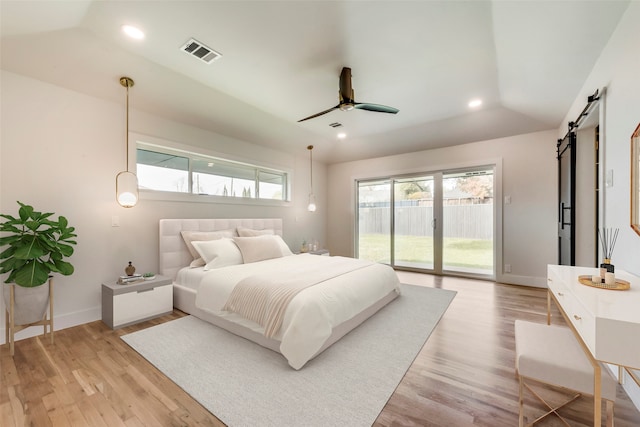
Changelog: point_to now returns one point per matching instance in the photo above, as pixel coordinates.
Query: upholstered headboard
(173, 251)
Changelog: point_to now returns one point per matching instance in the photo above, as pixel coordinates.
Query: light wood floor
(464, 376)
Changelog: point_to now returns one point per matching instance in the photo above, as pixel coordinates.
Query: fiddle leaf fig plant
(37, 246)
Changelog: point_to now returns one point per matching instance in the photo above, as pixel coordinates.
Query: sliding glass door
(413, 222)
(438, 222)
(467, 219)
(374, 221)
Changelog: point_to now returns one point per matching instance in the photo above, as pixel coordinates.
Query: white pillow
(259, 248)
(283, 245)
(190, 236)
(218, 253)
(248, 232)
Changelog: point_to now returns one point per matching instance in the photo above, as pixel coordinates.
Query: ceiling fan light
(346, 106)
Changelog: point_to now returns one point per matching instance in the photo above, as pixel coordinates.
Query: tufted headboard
(173, 251)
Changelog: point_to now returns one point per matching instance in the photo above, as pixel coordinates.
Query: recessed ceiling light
(342, 135)
(474, 103)
(133, 32)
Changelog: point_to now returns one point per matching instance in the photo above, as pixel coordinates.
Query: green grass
(457, 252)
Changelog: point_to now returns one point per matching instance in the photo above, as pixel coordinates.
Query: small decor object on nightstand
(130, 269)
(129, 280)
(608, 239)
(149, 276)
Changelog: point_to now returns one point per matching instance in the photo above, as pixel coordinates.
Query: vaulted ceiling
(526, 61)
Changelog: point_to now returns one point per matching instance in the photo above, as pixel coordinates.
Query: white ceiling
(527, 61)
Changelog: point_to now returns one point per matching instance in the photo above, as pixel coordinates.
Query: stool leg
(11, 325)
(6, 326)
(521, 403)
(610, 419)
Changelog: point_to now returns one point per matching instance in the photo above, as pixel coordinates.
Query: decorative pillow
(190, 236)
(248, 232)
(218, 253)
(258, 248)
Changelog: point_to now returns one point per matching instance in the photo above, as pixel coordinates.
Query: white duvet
(314, 312)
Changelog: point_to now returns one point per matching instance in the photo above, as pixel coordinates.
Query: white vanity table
(605, 322)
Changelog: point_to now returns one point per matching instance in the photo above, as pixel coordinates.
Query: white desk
(605, 322)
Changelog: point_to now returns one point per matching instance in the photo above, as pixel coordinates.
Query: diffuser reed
(608, 237)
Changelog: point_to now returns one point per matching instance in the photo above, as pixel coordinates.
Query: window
(178, 171)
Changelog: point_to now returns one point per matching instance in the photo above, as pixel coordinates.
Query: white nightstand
(124, 305)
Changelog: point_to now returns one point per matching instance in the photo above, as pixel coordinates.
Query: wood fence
(465, 221)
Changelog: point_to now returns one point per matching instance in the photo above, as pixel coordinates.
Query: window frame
(145, 142)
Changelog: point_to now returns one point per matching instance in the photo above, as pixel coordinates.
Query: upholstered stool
(552, 355)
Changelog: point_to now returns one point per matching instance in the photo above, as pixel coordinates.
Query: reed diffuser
(608, 237)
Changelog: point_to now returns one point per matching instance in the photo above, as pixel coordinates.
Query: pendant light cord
(310, 148)
(127, 82)
(127, 127)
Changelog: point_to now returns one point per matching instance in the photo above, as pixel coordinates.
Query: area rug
(244, 384)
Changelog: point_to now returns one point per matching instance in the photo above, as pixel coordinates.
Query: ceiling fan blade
(320, 113)
(375, 107)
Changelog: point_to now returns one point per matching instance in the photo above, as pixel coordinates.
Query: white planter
(30, 304)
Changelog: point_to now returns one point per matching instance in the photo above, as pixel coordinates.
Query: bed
(326, 296)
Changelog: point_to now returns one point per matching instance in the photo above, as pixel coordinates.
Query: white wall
(60, 152)
(529, 171)
(617, 70)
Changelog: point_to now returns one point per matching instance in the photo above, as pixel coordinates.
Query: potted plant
(36, 247)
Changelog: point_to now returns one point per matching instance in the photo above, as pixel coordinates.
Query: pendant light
(127, 182)
(312, 199)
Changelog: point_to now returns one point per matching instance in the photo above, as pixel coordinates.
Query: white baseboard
(512, 279)
(59, 322)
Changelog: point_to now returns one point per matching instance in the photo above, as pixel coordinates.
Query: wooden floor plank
(74, 415)
(55, 410)
(463, 376)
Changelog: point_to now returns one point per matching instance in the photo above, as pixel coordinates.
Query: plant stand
(12, 328)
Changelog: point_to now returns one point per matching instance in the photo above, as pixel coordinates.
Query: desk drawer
(581, 318)
(585, 323)
(561, 293)
(135, 306)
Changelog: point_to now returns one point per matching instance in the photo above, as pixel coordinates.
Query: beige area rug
(244, 384)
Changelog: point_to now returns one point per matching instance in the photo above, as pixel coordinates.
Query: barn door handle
(563, 208)
(433, 223)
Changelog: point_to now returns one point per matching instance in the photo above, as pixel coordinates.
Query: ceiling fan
(348, 103)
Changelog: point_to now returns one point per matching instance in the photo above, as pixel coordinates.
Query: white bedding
(313, 313)
(190, 277)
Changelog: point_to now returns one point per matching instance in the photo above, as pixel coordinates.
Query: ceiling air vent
(335, 125)
(204, 53)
